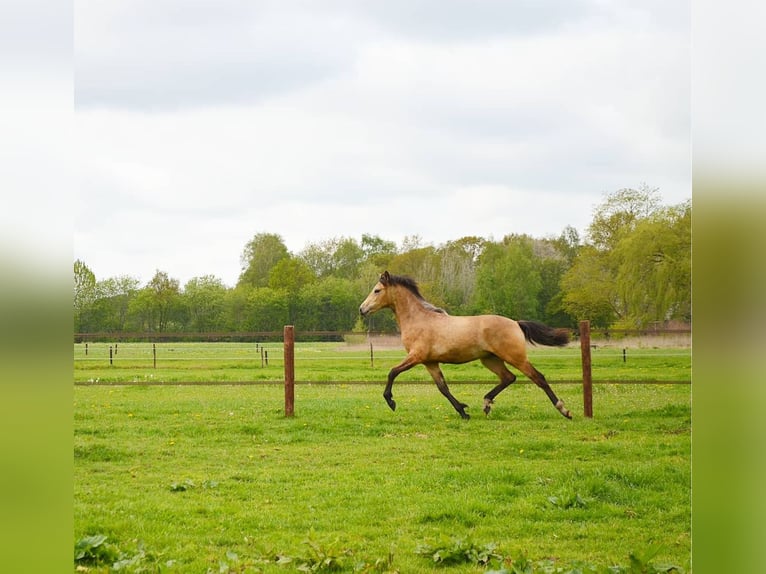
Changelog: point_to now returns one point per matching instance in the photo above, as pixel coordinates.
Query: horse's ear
(385, 278)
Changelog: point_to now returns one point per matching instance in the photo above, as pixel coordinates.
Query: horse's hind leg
(538, 378)
(441, 383)
(497, 366)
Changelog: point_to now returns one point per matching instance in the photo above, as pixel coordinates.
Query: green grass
(203, 476)
(339, 362)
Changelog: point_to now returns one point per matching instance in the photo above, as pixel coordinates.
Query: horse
(431, 336)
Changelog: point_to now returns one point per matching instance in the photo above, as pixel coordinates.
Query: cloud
(215, 124)
(164, 56)
(465, 20)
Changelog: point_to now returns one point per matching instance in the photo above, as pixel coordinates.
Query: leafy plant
(379, 566)
(182, 486)
(319, 558)
(189, 484)
(568, 500)
(235, 565)
(457, 550)
(95, 550)
(640, 563)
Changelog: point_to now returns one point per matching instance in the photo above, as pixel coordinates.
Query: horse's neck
(407, 309)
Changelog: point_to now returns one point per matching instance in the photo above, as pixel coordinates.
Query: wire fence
(335, 357)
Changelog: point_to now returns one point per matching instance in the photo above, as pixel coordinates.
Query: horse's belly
(456, 350)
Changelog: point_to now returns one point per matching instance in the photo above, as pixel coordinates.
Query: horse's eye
(376, 291)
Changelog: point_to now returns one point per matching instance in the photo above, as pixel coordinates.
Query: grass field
(214, 478)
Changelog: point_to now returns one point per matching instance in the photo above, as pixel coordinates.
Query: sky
(201, 124)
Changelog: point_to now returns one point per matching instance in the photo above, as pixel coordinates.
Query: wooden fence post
(289, 337)
(587, 381)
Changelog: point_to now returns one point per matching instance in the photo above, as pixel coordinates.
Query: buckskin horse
(431, 336)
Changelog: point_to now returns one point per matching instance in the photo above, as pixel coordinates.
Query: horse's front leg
(405, 365)
(438, 377)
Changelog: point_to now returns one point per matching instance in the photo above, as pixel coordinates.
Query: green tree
(118, 292)
(508, 281)
(346, 259)
(589, 290)
(456, 285)
(422, 264)
(331, 304)
(377, 251)
(337, 257)
(552, 261)
(204, 298)
(259, 257)
(109, 309)
(84, 290)
(158, 305)
(635, 269)
(618, 214)
(568, 243)
(654, 276)
(291, 274)
(235, 314)
(266, 309)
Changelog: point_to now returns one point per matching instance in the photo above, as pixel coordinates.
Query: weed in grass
(96, 552)
(319, 557)
(188, 484)
(569, 500)
(448, 551)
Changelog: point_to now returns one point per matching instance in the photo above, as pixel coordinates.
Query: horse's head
(379, 297)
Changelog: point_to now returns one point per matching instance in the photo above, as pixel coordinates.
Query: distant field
(343, 362)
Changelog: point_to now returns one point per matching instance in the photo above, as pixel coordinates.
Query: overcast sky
(201, 124)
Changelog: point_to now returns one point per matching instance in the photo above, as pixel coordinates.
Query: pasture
(213, 478)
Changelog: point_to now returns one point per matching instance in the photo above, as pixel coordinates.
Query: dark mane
(409, 284)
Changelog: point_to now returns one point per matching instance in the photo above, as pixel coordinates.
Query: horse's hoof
(465, 416)
(487, 406)
(391, 403)
(563, 410)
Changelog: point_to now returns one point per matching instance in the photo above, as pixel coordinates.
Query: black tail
(536, 332)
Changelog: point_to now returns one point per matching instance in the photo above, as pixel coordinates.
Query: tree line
(631, 270)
